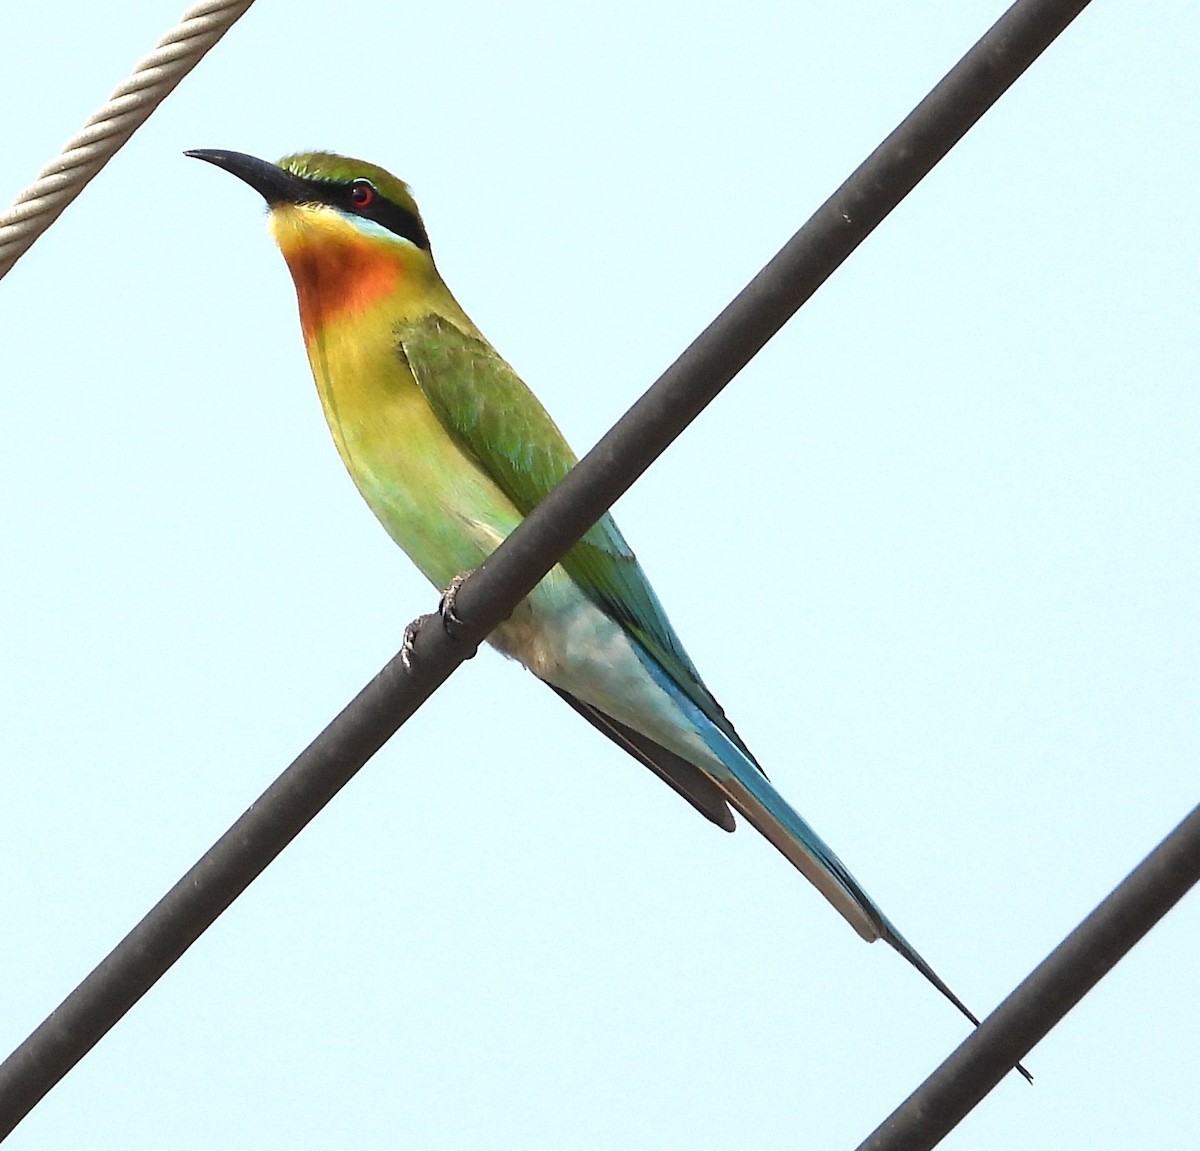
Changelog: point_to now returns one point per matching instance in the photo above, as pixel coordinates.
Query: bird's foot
(450, 621)
(408, 648)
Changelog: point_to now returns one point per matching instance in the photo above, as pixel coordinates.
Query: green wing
(488, 410)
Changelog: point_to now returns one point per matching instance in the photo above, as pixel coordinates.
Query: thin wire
(1059, 982)
(489, 595)
(82, 157)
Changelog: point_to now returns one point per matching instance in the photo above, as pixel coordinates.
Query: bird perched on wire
(451, 450)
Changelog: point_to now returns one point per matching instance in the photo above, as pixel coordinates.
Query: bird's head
(350, 232)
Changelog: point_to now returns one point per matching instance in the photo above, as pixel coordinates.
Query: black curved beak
(269, 180)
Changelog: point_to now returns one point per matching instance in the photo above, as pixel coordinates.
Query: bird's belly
(566, 640)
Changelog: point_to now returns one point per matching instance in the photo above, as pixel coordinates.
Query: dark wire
(1060, 981)
(488, 596)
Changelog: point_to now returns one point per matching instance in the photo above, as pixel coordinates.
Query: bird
(450, 449)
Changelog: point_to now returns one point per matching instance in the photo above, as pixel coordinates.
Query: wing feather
(486, 407)
(686, 778)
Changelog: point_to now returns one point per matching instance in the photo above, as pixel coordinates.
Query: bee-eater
(451, 450)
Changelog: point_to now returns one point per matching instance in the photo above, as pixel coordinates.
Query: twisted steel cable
(82, 157)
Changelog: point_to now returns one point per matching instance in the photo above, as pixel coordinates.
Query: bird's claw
(450, 621)
(408, 648)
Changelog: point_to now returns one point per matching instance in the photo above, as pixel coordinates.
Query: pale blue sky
(935, 551)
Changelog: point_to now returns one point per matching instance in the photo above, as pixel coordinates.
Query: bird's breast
(432, 497)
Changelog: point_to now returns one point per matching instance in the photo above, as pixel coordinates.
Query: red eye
(362, 193)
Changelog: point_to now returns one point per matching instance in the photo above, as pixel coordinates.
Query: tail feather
(767, 811)
(777, 821)
(752, 794)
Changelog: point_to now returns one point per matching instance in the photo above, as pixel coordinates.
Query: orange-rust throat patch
(337, 272)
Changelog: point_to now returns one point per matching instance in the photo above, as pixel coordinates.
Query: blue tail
(747, 788)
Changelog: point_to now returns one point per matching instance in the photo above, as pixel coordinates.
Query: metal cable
(489, 594)
(1060, 981)
(82, 157)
